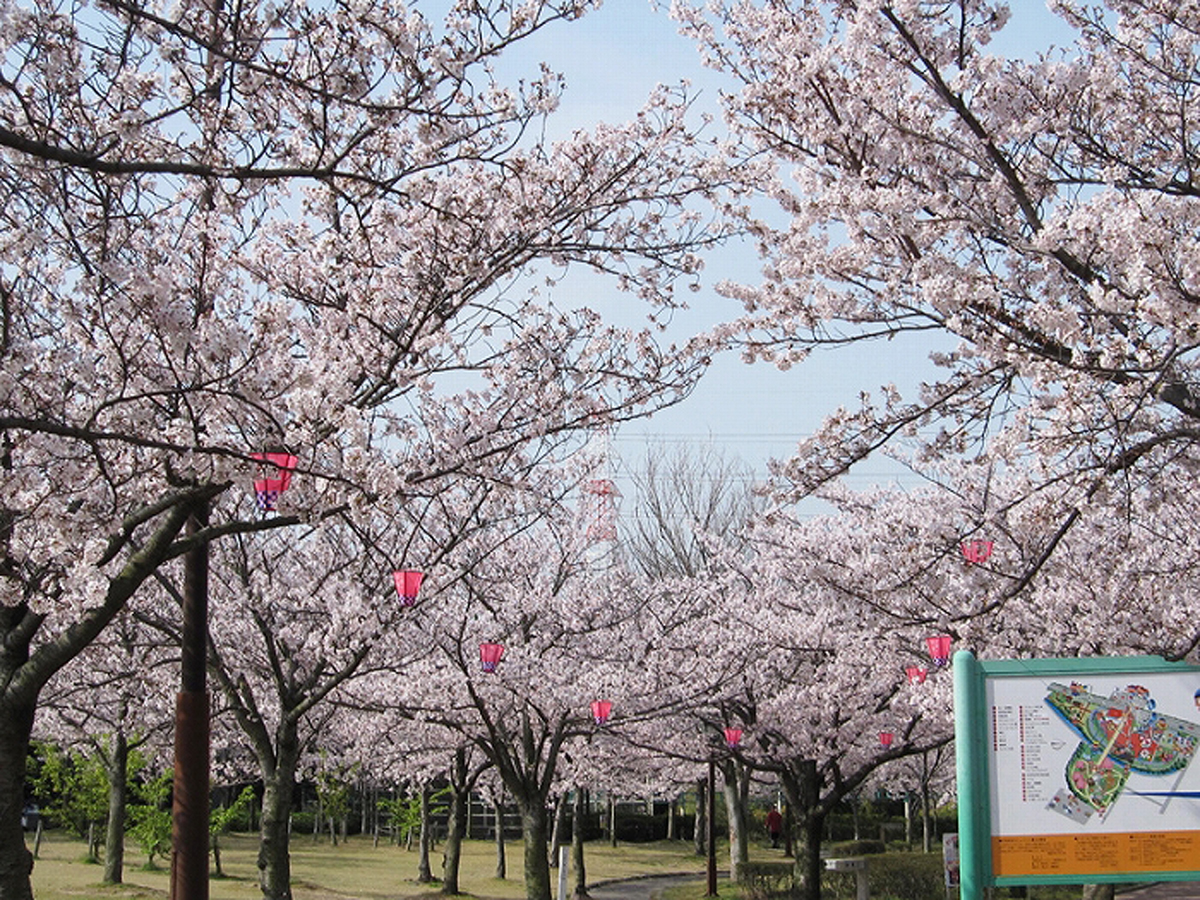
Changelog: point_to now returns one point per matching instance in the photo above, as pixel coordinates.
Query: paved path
(649, 887)
(1165, 890)
(652, 886)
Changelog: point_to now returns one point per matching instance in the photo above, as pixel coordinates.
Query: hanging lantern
(489, 656)
(977, 551)
(408, 585)
(601, 709)
(939, 649)
(733, 738)
(916, 674)
(274, 477)
(886, 738)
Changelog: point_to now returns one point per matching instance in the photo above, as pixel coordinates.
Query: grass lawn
(354, 869)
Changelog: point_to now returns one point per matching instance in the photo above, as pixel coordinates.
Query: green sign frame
(977, 736)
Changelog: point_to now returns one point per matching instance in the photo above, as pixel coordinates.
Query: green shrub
(893, 876)
(641, 828)
(857, 848)
(765, 880)
(890, 876)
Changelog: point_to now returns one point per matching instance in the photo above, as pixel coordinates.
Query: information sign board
(1077, 770)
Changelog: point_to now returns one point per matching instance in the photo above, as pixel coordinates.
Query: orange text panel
(1088, 854)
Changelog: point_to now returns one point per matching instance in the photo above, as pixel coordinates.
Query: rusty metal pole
(189, 804)
(711, 825)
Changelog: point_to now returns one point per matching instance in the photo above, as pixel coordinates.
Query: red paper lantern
(601, 709)
(274, 478)
(916, 674)
(939, 649)
(408, 585)
(489, 656)
(977, 551)
(886, 738)
(733, 738)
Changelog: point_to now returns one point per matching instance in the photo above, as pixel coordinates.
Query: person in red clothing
(774, 826)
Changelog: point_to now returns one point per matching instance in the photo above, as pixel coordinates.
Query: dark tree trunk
(424, 871)
(537, 862)
(578, 814)
(459, 795)
(737, 788)
(807, 866)
(802, 791)
(16, 862)
(114, 836)
(279, 781)
(501, 858)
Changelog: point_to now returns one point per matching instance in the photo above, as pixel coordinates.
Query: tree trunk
(807, 867)
(699, 824)
(560, 824)
(364, 806)
(1099, 891)
(800, 787)
(457, 827)
(578, 813)
(909, 816)
(737, 789)
(114, 836)
(501, 863)
(424, 872)
(926, 820)
(537, 862)
(612, 819)
(279, 781)
(16, 862)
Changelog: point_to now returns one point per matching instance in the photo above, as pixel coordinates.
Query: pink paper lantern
(733, 738)
(408, 585)
(977, 551)
(939, 649)
(916, 674)
(489, 656)
(886, 738)
(601, 709)
(274, 478)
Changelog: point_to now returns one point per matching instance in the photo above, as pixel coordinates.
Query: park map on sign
(1120, 734)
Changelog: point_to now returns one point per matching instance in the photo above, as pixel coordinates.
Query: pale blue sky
(612, 59)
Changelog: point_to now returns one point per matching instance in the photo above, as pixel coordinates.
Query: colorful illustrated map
(1120, 734)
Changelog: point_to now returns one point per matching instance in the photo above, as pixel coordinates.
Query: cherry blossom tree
(232, 230)
(280, 648)
(815, 624)
(1030, 218)
(573, 630)
(834, 609)
(113, 700)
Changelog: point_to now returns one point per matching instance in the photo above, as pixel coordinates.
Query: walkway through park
(651, 888)
(647, 888)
